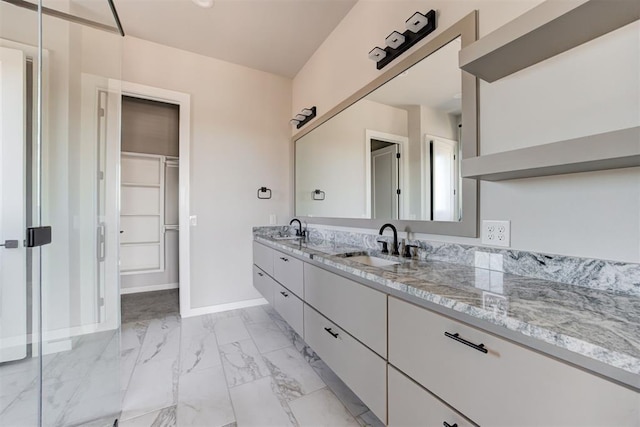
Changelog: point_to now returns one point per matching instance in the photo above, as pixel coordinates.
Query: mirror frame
(467, 30)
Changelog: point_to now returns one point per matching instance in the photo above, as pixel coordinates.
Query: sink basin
(286, 237)
(373, 261)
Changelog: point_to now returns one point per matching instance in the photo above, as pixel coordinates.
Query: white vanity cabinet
(287, 270)
(497, 383)
(264, 284)
(410, 405)
(360, 368)
(289, 306)
(358, 309)
(263, 257)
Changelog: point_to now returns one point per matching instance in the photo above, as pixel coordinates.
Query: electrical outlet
(496, 233)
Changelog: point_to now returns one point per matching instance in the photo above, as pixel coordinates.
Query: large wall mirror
(391, 152)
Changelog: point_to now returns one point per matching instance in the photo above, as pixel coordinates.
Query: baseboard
(150, 288)
(50, 347)
(225, 307)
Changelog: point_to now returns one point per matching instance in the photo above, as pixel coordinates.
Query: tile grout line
(224, 372)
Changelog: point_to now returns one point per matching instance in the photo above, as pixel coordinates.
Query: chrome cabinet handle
(284, 259)
(284, 294)
(260, 274)
(446, 424)
(456, 337)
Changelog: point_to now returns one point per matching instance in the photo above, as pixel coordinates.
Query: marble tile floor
(242, 368)
(78, 386)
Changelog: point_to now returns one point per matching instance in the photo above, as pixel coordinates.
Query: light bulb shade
(294, 122)
(394, 40)
(307, 111)
(377, 54)
(300, 117)
(417, 22)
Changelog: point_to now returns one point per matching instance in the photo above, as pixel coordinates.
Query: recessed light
(204, 3)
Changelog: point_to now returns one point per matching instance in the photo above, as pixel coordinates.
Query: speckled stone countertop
(600, 325)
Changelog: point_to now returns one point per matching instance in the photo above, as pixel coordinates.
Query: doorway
(149, 228)
(385, 180)
(159, 239)
(386, 175)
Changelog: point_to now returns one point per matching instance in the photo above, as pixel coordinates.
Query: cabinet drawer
(290, 308)
(410, 405)
(359, 310)
(263, 283)
(263, 257)
(506, 386)
(288, 271)
(360, 368)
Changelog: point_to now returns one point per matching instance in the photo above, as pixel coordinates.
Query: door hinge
(101, 301)
(398, 191)
(101, 112)
(38, 236)
(397, 155)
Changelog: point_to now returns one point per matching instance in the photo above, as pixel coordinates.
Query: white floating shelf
(610, 150)
(548, 29)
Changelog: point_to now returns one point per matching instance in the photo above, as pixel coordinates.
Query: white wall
(591, 89)
(334, 159)
(240, 141)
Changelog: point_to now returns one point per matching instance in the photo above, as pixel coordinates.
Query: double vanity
(420, 345)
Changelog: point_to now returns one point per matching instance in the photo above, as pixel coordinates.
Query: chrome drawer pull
(284, 294)
(333, 334)
(284, 259)
(446, 424)
(456, 336)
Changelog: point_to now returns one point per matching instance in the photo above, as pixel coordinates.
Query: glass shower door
(59, 303)
(20, 370)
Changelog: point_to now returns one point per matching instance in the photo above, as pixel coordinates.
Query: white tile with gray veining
(242, 362)
(603, 325)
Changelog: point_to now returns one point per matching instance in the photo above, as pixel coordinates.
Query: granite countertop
(601, 325)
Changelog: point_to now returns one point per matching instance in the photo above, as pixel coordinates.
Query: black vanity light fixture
(303, 117)
(418, 27)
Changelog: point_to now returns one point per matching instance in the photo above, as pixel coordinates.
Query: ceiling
(276, 36)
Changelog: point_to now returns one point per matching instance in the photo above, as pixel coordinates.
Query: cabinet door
(360, 368)
(359, 310)
(506, 386)
(288, 271)
(263, 257)
(290, 308)
(410, 405)
(263, 283)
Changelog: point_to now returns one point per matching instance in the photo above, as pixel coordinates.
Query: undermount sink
(373, 261)
(286, 237)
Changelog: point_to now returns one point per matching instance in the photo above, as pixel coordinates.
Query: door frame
(403, 143)
(425, 174)
(183, 100)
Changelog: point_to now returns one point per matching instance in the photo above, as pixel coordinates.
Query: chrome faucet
(299, 232)
(394, 247)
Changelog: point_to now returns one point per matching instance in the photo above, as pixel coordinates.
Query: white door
(384, 182)
(444, 179)
(13, 280)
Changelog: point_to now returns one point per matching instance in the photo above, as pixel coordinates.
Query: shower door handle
(10, 244)
(101, 242)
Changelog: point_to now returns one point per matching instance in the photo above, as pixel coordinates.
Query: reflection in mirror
(393, 154)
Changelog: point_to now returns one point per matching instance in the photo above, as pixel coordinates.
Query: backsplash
(590, 273)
